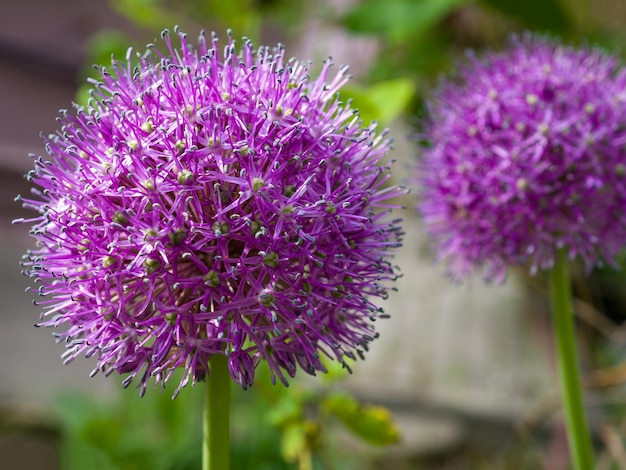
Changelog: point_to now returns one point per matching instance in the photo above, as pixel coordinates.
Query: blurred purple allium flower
(213, 203)
(525, 152)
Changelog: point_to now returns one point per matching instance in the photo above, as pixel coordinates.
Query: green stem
(216, 422)
(567, 358)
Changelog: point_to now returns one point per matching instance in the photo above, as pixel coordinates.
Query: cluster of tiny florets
(526, 154)
(207, 202)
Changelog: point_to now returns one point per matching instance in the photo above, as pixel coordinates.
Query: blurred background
(465, 371)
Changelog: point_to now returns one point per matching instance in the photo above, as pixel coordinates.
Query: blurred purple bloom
(213, 203)
(526, 153)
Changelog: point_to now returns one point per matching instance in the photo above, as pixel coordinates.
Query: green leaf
(383, 102)
(293, 443)
(146, 13)
(398, 19)
(372, 423)
(288, 409)
(336, 371)
(391, 98)
(290, 406)
(359, 100)
(537, 14)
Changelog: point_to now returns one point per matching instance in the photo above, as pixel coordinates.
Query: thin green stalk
(216, 417)
(567, 358)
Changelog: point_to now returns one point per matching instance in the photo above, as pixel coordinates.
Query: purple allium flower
(525, 154)
(213, 203)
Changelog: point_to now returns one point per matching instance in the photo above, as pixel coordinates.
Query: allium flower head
(213, 201)
(527, 154)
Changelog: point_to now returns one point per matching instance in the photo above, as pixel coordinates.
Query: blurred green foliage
(245, 17)
(383, 101)
(273, 427)
(398, 21)
(548, 15)
(371, 423)
(418, 40)
(421, 39)
(131, 433)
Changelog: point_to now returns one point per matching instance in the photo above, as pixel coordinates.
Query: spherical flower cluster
(213, 202)
(526, 154)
